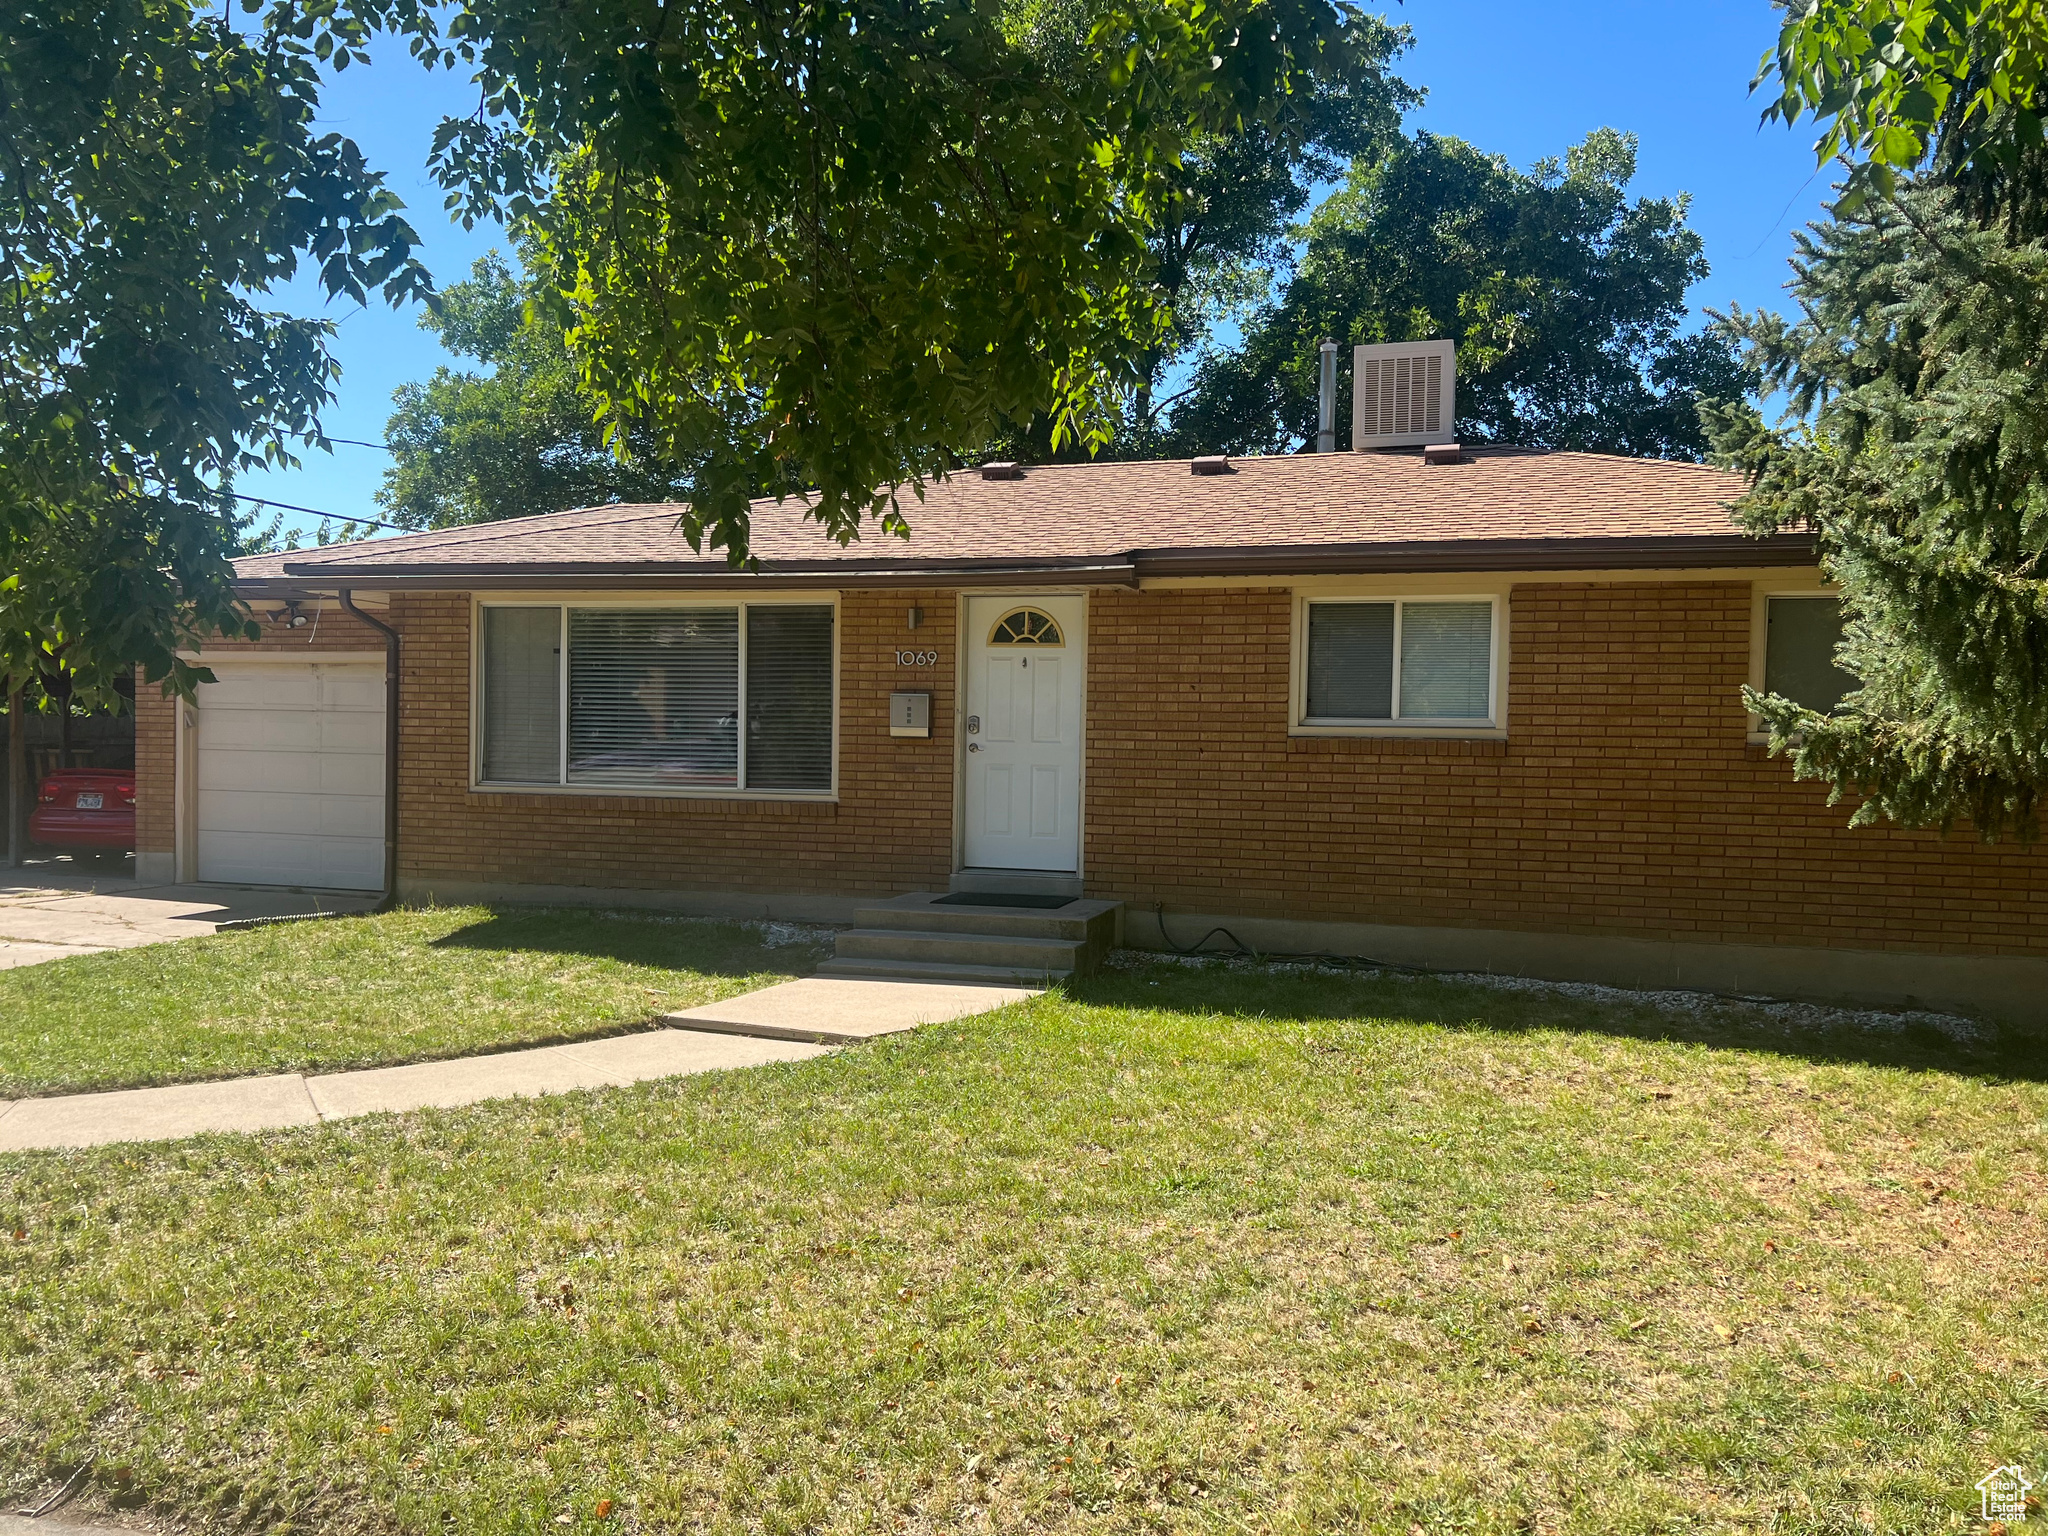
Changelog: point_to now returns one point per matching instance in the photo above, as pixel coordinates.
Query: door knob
(974, 746)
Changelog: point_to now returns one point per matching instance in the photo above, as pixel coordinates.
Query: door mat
(997, 899)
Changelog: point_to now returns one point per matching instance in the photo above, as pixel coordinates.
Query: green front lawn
(363, 991)
(1195, 1250)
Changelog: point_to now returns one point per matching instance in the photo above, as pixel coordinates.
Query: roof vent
(1441, 453)
(1005, 470)
(1213, 464)
(1404, 394)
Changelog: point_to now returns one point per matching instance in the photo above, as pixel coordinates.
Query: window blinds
(654, 697)
(1445, 660)
(789, 697)
(522, 736)
(1351, 661)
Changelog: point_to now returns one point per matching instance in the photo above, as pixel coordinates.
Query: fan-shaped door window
(1026, 626)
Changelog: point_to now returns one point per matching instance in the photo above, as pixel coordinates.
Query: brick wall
(1625, 803)
(156, 722)
(890, 831)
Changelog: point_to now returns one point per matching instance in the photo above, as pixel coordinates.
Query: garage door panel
(316, 815)
(351, 773)
(352, 689)
(290, 775)
(285, 685)
(268, 858)
(352, 733)
(258, 730)
(259, 688)
(306, 773)
(293, 731)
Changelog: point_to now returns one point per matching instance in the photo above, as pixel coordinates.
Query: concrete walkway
(46, 914)
(791, 1022)
(841, 1010)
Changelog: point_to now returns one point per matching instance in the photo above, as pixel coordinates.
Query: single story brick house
(1472, 710)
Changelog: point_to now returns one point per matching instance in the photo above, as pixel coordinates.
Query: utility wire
(1780, 219)
(339, 517)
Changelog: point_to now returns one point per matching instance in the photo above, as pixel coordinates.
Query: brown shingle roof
(1362, 511)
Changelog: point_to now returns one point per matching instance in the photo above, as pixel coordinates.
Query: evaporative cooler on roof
(1404, 394)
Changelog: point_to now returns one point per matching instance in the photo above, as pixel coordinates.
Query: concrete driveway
(46, 915)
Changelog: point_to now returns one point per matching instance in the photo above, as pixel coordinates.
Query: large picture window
(707, 698)
(1398, 660)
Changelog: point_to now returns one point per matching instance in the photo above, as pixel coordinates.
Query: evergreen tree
(1916, 449)
(1920, 460)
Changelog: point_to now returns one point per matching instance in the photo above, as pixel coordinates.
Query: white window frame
(1492, 728)
(1761, 593)
(566, 601)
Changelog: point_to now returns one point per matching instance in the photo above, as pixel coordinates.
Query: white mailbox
(910, 714)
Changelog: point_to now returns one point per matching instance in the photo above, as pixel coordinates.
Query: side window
(1385, 661)
(1801, 634)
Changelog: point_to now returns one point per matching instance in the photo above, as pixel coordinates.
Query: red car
(85, 810)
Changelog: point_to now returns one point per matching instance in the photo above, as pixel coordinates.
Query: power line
(357, 442)
(286, 506)
(1785, 210)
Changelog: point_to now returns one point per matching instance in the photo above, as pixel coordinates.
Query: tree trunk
(17, 781)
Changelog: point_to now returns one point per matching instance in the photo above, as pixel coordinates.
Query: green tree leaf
(1953, 86)
(159, 172)
(836, 249)
(518, 439)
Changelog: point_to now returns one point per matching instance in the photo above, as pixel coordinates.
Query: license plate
(87, 803)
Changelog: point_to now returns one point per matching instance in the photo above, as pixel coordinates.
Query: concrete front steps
(916, 938)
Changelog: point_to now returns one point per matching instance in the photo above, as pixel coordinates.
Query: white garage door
(291, 775)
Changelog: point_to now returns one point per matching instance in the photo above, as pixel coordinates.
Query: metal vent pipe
(1326, 398)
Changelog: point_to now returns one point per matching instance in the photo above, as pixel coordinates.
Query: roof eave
(1627, 552)
(597, 576)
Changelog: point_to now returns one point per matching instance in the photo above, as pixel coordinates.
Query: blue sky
(1513, 77)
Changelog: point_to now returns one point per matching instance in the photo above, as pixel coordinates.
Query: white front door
(291, 774)
(1026, 663)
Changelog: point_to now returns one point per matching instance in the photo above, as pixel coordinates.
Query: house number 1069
(917, 658)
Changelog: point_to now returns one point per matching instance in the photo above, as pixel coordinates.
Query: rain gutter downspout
(390, 749)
